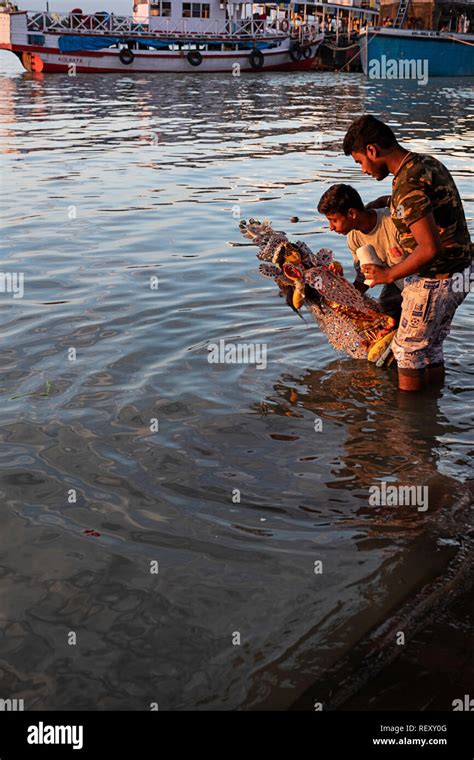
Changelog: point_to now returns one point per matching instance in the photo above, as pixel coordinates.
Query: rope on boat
(464, 42)
(347, 63)
(336, 47)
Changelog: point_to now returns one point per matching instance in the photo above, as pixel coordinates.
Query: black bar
(323, 735)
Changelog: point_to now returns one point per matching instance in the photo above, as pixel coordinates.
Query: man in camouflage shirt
(427, 211)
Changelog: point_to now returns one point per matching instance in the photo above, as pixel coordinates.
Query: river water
(214, 471)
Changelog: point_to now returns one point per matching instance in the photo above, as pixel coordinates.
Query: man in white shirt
(347, 215)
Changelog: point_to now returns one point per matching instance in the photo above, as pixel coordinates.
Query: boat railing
(109, 23)
(306, 33)
(99, 23)
(391, 31)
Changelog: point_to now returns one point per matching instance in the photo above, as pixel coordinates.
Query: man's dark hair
(367, 130)
(339, 199)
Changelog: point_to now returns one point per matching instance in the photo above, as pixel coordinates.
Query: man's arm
(358, 283)
(428, 246)
(382, 202)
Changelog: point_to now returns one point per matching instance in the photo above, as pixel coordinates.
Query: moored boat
(164, 36)
(402, 53)
(340, 22)
(403, 49)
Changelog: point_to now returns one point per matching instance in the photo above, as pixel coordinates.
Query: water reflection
(154, 173)
(388, 435)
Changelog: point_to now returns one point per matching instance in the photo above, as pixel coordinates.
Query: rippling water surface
(107, 182)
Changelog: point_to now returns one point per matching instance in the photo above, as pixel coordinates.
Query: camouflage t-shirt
(424, 185)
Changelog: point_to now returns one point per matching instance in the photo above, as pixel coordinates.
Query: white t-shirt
(384, 237)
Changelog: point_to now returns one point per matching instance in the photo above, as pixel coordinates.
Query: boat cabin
(166, 15)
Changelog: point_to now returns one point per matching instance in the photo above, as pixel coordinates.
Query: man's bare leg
(411, 379)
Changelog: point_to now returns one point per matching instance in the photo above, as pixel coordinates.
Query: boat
(340, 23)
(163, 36)
(404, 49)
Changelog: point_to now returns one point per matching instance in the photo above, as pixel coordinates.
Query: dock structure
(436, 15)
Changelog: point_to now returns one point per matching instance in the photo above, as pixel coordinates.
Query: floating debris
(43, 393)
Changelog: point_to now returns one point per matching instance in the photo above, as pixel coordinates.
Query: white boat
(161, 36)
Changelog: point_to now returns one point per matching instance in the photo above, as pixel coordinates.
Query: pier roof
(331, 7)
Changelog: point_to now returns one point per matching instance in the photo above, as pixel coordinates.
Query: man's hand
(336, 267)
(378, 275)
(429, 244)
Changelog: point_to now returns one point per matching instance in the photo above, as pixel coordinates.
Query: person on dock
(347, 215)
(426, 208)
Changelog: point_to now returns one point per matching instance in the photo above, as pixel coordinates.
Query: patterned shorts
(428, 308)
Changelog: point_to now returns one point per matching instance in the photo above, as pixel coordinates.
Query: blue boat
(390, 53)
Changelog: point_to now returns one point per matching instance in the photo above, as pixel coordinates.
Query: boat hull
(41, 59)
(330, 57)
(446, 55)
